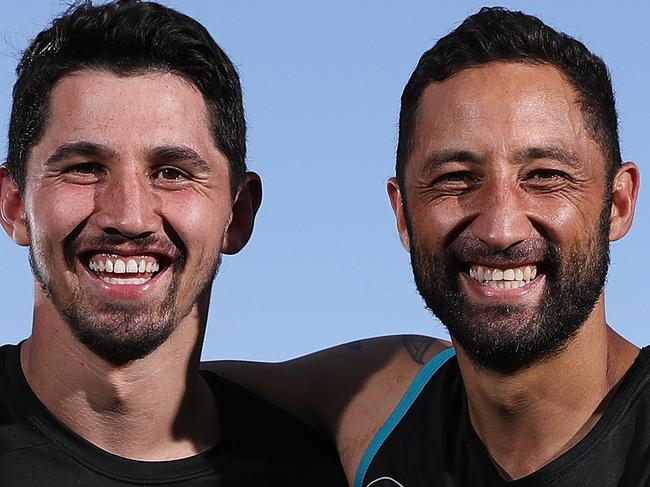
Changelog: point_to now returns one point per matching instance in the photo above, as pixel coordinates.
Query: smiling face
(505, 209)
(127, 203)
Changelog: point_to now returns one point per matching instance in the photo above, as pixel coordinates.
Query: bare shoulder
(347, 391)
(386, 370)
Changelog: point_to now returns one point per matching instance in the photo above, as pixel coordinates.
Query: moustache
(139, 244)
(469, 249)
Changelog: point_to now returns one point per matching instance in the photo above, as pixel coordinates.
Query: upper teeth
(140, 265)
(512, 278)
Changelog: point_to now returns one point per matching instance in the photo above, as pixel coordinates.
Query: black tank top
(428, 440)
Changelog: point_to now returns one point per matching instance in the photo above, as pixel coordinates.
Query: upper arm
(347, 391)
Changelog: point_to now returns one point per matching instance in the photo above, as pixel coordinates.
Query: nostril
(125, 233)
(501, 229)
(131, 220)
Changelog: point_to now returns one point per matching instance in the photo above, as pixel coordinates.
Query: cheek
(434, 223)
(53, 215)
(561, 216)
(567, 221)
(199, 221)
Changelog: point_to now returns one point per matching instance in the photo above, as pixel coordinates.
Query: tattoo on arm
(417, 347)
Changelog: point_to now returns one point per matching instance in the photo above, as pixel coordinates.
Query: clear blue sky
(322, 82)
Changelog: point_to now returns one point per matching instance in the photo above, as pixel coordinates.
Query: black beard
(507, 338)
(133, 332)
(131, 335)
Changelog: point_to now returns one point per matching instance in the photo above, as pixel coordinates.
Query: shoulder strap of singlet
(398, 413)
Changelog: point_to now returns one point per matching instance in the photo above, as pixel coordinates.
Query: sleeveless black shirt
(428, 441)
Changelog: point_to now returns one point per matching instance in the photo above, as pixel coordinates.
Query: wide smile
(504, 283)
(509, 278)
(125, 270)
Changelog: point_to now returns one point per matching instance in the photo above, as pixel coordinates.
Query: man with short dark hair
(126, 178)
(509, 187)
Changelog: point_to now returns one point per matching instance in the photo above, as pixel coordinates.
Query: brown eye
(547, 174)
(170, 174)
(547, 180)
(84, 173)
(460, 178)
(85, 169)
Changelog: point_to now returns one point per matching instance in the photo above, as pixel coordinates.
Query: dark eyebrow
(559, 154)
(172, 153)
(439, 157)
(76, 149)
(556, 153)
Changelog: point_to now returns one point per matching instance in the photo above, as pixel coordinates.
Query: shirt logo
(384, 482)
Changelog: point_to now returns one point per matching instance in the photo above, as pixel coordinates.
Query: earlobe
(395, 196)
(12, 209)
(625, 189)
(244, 209)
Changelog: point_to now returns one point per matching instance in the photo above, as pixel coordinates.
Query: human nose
(502, 220)
(128, 206)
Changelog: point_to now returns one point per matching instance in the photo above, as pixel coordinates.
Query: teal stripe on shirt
(398, 413)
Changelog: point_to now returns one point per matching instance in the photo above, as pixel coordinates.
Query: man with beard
(509, 187)
(126, 178)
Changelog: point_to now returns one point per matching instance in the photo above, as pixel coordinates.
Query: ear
(395, 196)
(244, 209)
(12, 209)
(624, 193)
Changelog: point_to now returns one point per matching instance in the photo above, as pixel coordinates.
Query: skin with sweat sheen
(120, 192)
(504, 179)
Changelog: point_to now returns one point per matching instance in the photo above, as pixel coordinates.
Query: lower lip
(487, 293)
(126, 291)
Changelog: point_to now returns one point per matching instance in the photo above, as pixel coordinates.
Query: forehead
(126, 113)
(501, 108)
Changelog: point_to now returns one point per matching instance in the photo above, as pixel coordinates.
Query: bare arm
(347, 392)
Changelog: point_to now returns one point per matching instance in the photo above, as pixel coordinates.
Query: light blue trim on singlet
(398, 413)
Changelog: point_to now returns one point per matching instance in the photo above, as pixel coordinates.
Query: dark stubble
(511, 337)
(118, 331)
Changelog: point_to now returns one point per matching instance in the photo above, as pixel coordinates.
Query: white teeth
(136, 265)
(512, 278)
(132, 267)
(132, 280)
(480, 274)
(119, 267)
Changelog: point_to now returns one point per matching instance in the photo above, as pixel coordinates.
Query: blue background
(322, 82)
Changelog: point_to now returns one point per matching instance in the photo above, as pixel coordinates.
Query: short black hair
(496, 34)
(126, 38)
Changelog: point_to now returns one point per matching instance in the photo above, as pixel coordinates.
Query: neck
(529, 418)
(154, 408)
